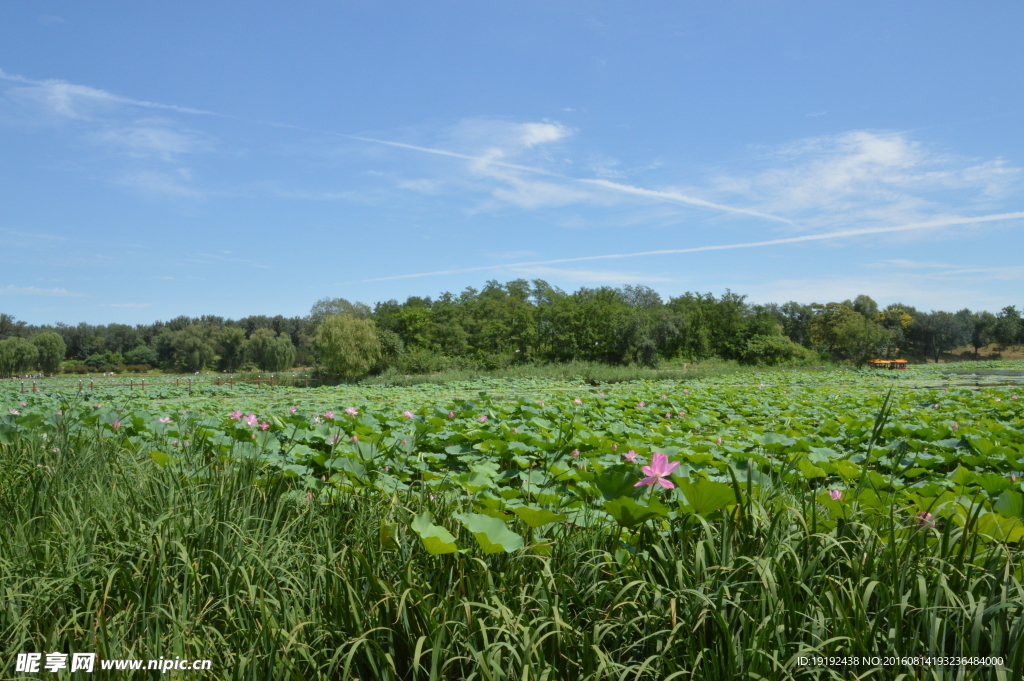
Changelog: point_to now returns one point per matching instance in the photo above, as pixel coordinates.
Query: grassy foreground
(104, 551)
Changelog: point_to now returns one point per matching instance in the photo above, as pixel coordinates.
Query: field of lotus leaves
(921, 470)
(573, 453)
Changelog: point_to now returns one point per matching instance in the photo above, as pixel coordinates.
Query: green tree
(193, 347)
(825, 325)
(337, 306)
(982, 332)
(1008, 326)
(858, 339)
(271, 351)
(51, 350)
(347, 346)
(17, 356)
(938, 332)
(231, 346)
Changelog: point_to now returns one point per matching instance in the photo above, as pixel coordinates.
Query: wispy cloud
(11, 290)
(939, 270)
(151, 138)
(847, 233)
(531, 194)
(590, 276)
(864, 176)
(74, 101)
(159, 183)
(216, 259)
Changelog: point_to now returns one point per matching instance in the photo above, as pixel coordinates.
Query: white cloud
(533, 134)
(152, 137)
(11, 290)
(537, 194)
(864, 176)
(77, 101)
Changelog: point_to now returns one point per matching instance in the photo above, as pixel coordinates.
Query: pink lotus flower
(682, 414)
(615, 447)
(407, 414)
(1014, 397)
(264, 425)
(836, 494)
(292, 410)
(164, 419)
(602, 394)
(481, 418)
(404, 442)
(686, 391)
(925, 519)
(98, 406)
(575, 453)
(668, 414)
(999, 399)
(630, 456)
(174, 443)
(236, 415)
(955, 426)
(1013, 478)
(24, 404)
(60, 413)
(640, 404)
(116, 424)
(15, 412)
(354, 439)
(352, 411)
(451, 414)
(329, 415)
(250, 420)
(657, 473)
(719, 440)
(317, 419)
(664, 397)
(577, 401)
(541, 403)
(515, 431)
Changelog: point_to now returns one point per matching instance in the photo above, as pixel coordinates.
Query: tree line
(511, 323)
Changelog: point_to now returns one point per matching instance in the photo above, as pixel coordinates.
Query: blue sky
(159, 159)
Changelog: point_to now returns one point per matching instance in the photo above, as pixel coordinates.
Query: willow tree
(271, 351)
(347, 346)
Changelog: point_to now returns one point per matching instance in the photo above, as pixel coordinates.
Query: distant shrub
(771, 350)
(501, 360)
(104, 361)
(423, 361)
(79, 369)
(141, 355)
(137, 368)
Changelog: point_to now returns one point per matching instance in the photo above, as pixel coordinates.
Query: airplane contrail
(673, 196)
(945, 222)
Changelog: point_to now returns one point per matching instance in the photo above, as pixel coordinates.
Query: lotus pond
(524, 454)
(513, 530)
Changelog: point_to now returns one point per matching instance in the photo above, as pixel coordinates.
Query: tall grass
(104, 551)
